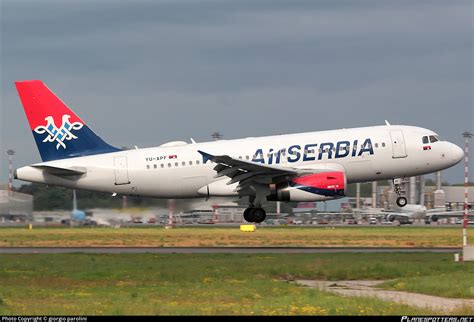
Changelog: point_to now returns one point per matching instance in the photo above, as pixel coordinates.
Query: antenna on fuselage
(386, 122)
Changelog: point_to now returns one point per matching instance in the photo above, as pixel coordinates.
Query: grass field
(218, 283)
(387, 236)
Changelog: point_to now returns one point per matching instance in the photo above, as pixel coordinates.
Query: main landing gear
(255, 214)
(401, 200)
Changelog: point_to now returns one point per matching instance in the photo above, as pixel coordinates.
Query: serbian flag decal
(427, 147)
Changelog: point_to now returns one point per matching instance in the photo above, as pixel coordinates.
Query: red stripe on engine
(324, 180)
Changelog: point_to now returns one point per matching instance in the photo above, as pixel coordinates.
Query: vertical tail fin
(59, 133)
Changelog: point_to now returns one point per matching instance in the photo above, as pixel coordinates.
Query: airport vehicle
(137, 220)
(373, 221)
(315, 166)
(351, 221)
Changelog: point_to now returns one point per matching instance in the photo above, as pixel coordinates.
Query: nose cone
(457, 154)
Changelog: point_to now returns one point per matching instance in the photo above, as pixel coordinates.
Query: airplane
(76, 214)
(80, 217)
(313, 166)
(412, 212)
(433, 215)
(407, 214)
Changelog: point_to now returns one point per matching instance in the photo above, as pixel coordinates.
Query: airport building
(15, 206)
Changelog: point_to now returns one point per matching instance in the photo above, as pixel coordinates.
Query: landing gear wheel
(402, 201)
(247, 214)
(258, 215)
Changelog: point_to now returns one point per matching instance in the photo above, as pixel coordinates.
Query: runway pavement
(216, 250)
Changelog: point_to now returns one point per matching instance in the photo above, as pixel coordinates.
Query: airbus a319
(314, 166)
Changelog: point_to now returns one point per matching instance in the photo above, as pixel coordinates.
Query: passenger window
(176, 164)
(247, 157)
(155, 166)
(383, 144)
(425, 140)
(197, 162)
(162, 165)
(148, 166)
(240, 157)
(183, 163)
(190, 162)
(433, 139)
(169, 165)
(376, 145)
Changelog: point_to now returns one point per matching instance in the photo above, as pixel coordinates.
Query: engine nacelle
(312, 187)
(391, 218)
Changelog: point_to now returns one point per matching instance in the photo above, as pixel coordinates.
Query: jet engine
(311, 187)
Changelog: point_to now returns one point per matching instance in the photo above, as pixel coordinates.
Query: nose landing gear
(401, 200)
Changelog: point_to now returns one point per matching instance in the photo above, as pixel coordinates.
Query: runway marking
(226, 250)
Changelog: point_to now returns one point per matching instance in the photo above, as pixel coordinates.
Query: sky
(148, 72)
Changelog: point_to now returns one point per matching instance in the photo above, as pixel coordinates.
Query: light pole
(10, 154)
(466, 136)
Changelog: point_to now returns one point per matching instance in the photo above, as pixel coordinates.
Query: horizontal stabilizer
(74, 171)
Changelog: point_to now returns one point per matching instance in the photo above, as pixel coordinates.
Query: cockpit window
(433, 139)
(425, 140)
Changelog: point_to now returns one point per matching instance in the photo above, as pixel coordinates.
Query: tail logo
(61, 134)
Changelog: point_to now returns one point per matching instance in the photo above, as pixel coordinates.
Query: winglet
(206, 156)
(386, 122)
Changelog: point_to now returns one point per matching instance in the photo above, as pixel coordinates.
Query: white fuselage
(178, 170)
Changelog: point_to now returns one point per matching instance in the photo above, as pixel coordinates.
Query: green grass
(214, 283)
(457, 284)
(378, 236)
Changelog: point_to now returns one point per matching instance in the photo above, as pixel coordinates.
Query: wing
(247, 173)
(455, 213)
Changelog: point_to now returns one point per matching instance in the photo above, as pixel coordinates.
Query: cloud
(184, 69)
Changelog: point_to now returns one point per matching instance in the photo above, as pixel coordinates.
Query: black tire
(402, 201)
(248, 214)
(258, 215)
